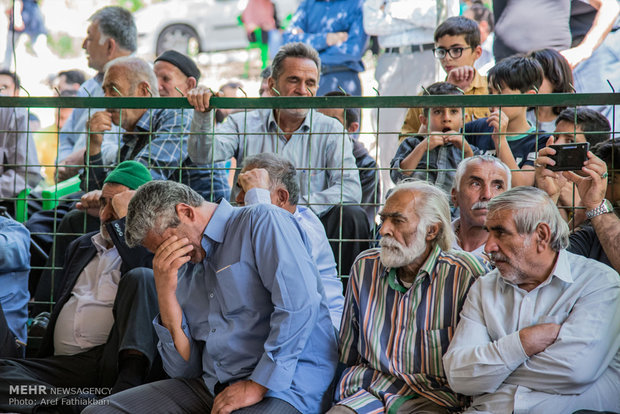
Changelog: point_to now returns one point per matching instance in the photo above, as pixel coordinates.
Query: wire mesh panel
(337, 177)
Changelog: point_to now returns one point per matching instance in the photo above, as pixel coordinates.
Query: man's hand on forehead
(120, 203)
(256, 178)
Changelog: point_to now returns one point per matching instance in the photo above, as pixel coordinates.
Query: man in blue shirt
(270, 179)
(14, 296)
(244, 327)
(335, 29)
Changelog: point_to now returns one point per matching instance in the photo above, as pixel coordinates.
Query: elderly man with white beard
(402, 307)
(541, 332)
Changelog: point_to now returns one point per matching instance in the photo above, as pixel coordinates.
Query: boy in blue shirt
(506, 133)
(434, 156)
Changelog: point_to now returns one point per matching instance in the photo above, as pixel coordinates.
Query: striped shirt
(392, 339)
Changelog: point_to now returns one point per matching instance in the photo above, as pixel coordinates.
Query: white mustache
(390, 243)
(480, 205)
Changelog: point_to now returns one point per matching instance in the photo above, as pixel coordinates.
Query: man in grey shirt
(541, 332)
(316, 144)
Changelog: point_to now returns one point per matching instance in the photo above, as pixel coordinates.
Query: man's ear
(272, 84)
(453, 197)
(144, 89)
(353, 127)
(432, 231)
(191, 83)
(542, 236)
(185, 212)
(111, 48)
(282, 197)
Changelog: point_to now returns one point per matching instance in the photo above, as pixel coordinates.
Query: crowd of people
(461, 271)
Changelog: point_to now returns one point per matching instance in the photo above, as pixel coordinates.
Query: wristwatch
(604, 208)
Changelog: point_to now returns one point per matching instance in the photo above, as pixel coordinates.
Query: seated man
(176, 73)
(541, 332)
(328, 178)
(401, 307)
(14, 296)
(99, 334)
(155, 137)
(245, 325)
(270, 179)
(477, 180)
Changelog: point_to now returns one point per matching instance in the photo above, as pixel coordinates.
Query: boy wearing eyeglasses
(457, 46)
(434, 154)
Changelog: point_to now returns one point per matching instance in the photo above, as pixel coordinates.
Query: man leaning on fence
(401, 308)
(541, 332)
(327, 176)
(99, 334)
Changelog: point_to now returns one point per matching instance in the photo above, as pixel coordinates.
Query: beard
(508, 269)
(395, 255)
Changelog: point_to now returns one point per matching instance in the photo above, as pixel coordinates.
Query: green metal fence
(246, 104)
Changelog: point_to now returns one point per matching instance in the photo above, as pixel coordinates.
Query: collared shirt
(478, 87)
(524, 147)
(321, 153)
(17, 151)
(486, 355)
(405, 22)
(160, 142)
(437, 166)
(315, 19)
(14, 269)
(320, 251)
(478, 252)
(86, 319)
(392, 338)
(254, 309)
(72, 135)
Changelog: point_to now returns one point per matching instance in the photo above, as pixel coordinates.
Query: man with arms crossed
(541, 332)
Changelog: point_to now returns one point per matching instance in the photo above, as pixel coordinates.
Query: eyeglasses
(454, 52)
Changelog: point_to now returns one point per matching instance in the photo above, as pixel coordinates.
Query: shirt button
(211, 295)
(213, 330)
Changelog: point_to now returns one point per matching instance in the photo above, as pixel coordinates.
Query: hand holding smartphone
(569, 157)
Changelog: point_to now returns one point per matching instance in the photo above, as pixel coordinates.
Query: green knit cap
(131, 174)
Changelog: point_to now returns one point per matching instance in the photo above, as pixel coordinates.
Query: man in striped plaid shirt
(401, 309)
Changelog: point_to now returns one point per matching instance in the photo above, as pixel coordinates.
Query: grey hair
(531, 206)
(464, 164)
(117, 23)
(281, 172)
(294, 50)
(153, 208)
(137, 71)
(434, 209)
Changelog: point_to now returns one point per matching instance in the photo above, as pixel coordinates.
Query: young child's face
(452, 44)
(445, 119)
(511, 111)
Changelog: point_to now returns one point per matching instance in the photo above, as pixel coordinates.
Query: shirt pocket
(434, 344)
(108, 286)
(236, 284)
